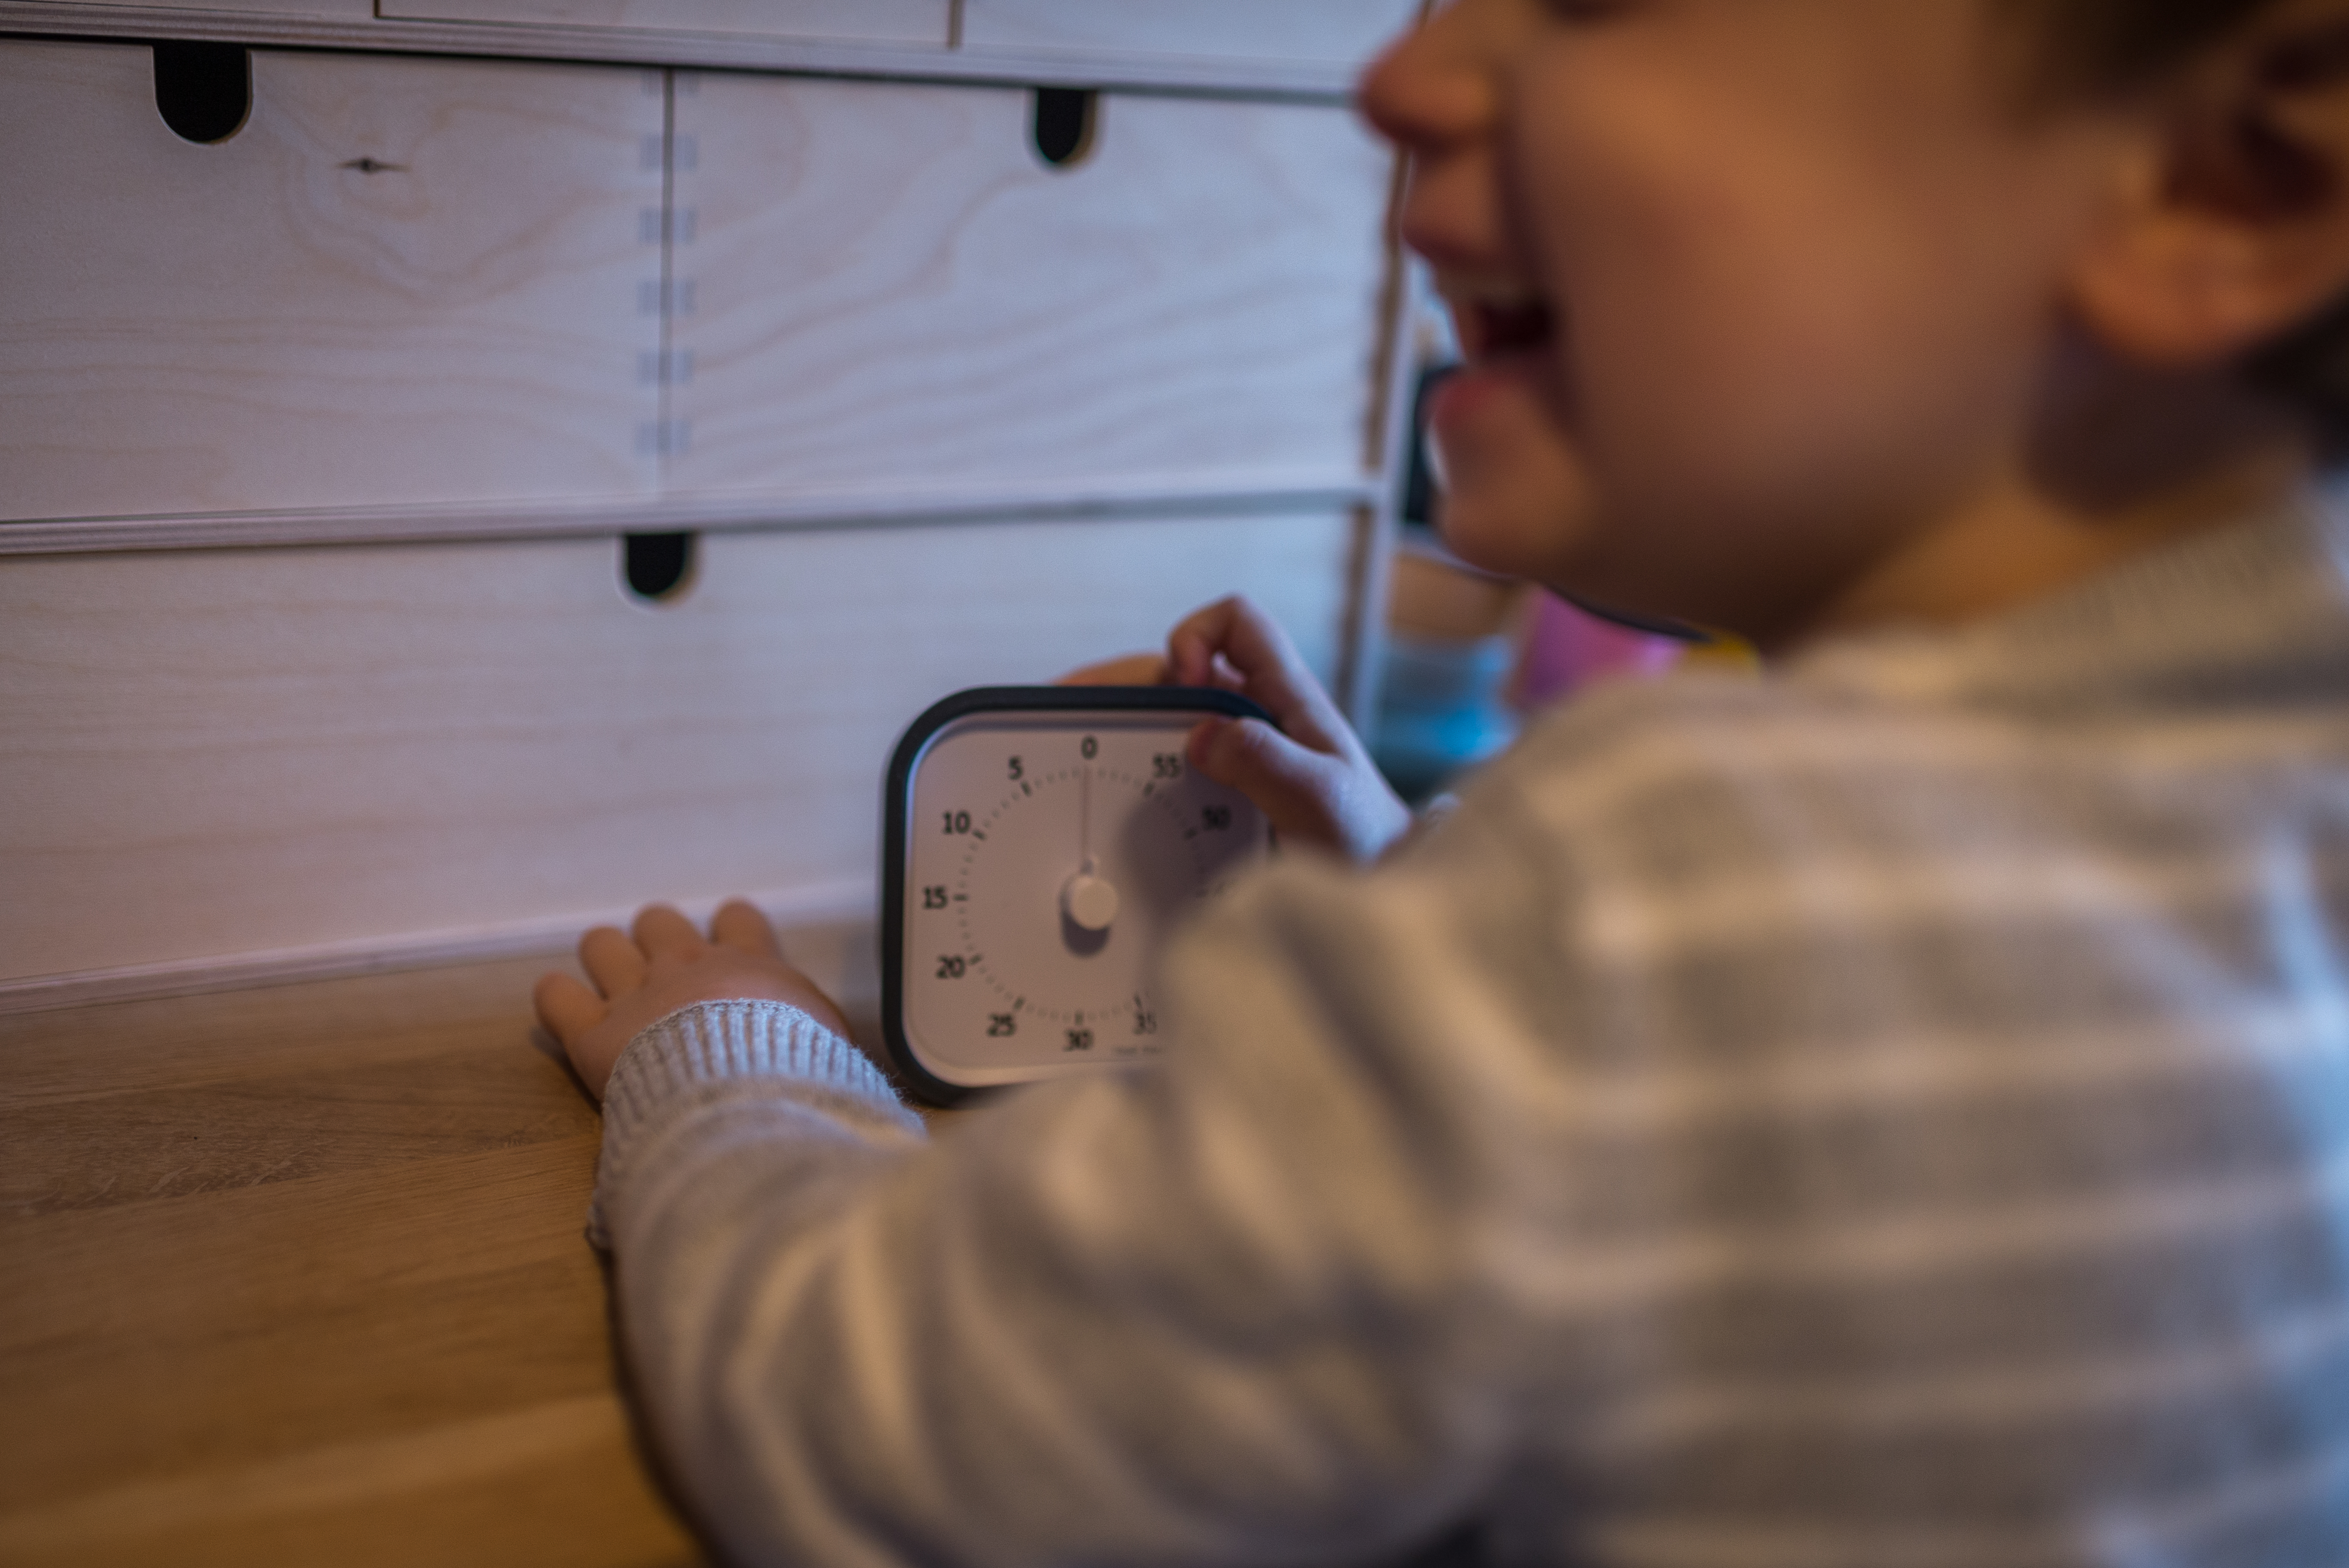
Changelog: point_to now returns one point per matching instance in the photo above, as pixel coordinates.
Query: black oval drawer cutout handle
(657, 567)
(203, 91)
(1064, 125)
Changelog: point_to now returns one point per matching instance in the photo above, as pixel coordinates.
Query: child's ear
(2234, 229)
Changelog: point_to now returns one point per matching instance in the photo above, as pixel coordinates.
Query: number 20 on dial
(1039, 841)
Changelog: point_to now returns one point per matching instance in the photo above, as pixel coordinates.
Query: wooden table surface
(296, 1274)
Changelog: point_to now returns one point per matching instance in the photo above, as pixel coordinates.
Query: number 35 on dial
(1039, 841)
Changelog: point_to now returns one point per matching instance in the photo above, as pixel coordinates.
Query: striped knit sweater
(1892, 1113)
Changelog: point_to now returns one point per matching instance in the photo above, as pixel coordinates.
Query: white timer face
(1046, 857)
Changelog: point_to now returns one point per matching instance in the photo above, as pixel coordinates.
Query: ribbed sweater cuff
(711, 1044)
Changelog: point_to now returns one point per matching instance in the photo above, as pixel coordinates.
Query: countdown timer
(1040, 843)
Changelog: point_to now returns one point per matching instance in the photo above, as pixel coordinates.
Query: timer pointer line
(1086, 899)
(1085, 823)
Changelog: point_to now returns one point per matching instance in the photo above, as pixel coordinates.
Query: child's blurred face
(1752, 290)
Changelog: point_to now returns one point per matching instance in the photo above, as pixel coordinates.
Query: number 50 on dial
(1038, 842)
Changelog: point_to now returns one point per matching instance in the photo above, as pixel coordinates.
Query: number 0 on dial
(1039, 843)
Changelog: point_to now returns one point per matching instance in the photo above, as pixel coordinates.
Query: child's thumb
(1288, 783)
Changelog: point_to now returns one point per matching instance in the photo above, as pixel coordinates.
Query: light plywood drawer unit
(886, 289)
(319, 443)
(402, 282)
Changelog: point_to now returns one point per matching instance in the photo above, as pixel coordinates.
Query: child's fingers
(1233, 627)
(741, 924)
(612, 961)
(662, 933)
(1134, 669)
(1271, 669)
(1289, 784)
(567, 1008)
(1331, 800)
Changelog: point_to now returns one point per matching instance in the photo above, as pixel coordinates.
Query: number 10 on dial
(1039, 841)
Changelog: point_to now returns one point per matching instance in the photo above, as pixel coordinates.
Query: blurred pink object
(1567, 648)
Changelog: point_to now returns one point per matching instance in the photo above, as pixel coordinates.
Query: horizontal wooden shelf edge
(444, 525)
(821, 904)
(1309, 82)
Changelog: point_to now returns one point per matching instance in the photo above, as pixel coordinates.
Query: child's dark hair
(2096, 46)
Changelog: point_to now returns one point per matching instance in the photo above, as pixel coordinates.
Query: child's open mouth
(1508, 339)
(1511, 328)
(1497, 319)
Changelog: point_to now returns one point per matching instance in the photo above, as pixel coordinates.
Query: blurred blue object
(1443, 709)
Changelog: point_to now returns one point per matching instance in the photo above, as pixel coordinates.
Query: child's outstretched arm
(1213, 1313)
(1311, 777)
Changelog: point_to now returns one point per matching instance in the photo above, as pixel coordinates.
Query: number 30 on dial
(1039, 843)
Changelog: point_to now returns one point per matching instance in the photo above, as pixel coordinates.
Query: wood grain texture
(218, 752)
(888, 288)
(1337, 32)
(402, 282)
(297, 1276)
(868, 21)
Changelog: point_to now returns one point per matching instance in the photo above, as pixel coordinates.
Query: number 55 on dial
(1039, 843)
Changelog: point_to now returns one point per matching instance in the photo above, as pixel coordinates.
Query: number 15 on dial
(1039, 841)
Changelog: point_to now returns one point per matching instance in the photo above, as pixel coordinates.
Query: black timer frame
(897, 804)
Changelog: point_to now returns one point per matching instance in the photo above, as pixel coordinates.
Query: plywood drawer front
(887, 288)
(860, 21)
(1340, 31)
(223, 752)
(402, 282)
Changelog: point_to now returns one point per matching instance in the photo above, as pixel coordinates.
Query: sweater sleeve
(1217, 1313)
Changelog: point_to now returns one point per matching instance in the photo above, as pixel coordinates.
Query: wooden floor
(296, 1275)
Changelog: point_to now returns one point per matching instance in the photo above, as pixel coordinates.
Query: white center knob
(1090, 902)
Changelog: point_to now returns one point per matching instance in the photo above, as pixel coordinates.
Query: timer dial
(1043, 842)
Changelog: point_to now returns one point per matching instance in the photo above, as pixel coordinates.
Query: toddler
(1892, 1112)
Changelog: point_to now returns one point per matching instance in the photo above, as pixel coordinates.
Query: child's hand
(1311, 778)
(664, 966)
